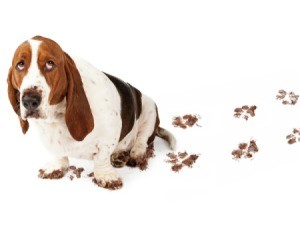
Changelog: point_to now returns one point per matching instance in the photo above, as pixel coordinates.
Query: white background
(204, 57)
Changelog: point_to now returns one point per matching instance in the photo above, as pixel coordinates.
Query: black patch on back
(131, 104)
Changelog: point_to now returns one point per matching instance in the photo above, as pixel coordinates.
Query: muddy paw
(119, 160)
(55, 169)
(141, 162)
(55, 174)
(141, 159)
(111, 185)
(108, 178)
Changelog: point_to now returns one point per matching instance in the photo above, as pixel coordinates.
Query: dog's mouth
(33, 114)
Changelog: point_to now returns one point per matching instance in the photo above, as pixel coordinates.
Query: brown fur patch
(111, 185)
(15, 77)
(78, 117)
(22, 54)
(57, 77)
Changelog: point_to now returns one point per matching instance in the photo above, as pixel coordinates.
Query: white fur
(105, 104)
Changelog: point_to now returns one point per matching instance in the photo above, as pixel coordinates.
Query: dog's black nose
(31, 100)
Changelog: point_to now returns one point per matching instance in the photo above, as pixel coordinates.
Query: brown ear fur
(14, 98)
(79, 117)
(58, 88)
(58, 91)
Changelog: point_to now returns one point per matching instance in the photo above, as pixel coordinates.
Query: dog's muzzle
(31, 100)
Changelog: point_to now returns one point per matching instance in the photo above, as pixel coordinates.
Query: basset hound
(80, 111)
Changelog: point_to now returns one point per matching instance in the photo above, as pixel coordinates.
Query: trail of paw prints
(245, 150)
(185, 121)
(293, 137)
(287, 98)
(245, 111)
(180, 160)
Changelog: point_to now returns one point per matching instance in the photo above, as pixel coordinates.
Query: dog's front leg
(104, 174)
(55, 169)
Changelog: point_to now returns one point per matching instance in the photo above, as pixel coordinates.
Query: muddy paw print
(293, 137)
(245, 112)
(245, 150)
(76, 172)
(287, 98)
(181, 159)
(185, 121)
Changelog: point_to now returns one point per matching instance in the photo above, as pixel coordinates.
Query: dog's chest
(58, 140)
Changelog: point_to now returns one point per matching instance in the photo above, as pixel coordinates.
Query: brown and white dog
(80, 111)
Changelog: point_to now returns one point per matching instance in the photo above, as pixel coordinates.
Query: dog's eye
(20, 66)
(49, 66)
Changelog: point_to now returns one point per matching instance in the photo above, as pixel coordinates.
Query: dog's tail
(166, 135)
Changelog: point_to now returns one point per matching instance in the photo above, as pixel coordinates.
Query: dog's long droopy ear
(79, 117)
(58, 88)
(14, 98)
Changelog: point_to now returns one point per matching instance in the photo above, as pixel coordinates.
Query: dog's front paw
(55, 174)
(54, 170)
(109, 180)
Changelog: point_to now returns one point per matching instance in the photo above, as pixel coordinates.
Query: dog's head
(44, 83)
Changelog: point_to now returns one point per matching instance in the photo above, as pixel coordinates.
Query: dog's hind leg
(147, 127)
